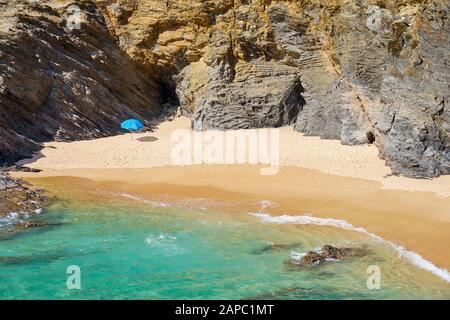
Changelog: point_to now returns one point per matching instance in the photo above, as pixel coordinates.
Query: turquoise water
(131, 250)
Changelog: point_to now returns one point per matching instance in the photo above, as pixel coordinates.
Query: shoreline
(153, 149)
(318, 178)
(418, 222)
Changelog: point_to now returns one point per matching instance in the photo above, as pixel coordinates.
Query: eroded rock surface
(358, 71)
(16, 197)
(61, 83)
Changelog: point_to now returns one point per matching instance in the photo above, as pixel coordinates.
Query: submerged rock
(30, 224)
(14, 260)
(14, 230)
(40, 256)
(328, 253)
(276, 247)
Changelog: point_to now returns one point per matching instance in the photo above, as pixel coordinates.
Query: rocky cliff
(57, 83)
(356, 70)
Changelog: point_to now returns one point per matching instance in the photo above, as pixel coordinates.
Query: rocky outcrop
(18, 198)
(392, 69)
(59, 82)
(273, 101)
(360, 71)
(220, 57)
(327, 253)
(366, 71)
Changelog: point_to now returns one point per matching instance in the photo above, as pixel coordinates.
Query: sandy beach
(153, 149)
(221, 150)
(319, 178)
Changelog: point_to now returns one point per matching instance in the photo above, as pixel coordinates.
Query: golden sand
(317, 177)
(153, 149)
(416, 220)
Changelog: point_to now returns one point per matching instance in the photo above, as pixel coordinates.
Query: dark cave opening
(370, 137)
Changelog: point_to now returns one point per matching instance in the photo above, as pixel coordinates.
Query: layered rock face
(358, 71)
(362, 71)
(63, 83)
(220, 58)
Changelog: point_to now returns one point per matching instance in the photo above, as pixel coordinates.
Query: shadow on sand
(147, 139)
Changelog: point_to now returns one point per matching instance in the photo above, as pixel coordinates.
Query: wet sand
(418, 221)
(317, 177)
(153, 149)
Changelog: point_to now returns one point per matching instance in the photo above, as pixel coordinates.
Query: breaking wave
(150, 202)
(411, 256)
(12, 218)
(163, 241)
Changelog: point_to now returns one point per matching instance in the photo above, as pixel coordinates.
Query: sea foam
(150, 202)
(9, 219)
(411, 256)
(164, 241)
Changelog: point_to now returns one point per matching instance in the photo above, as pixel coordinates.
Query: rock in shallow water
(29, 225)
(15, 196)
(328, 253)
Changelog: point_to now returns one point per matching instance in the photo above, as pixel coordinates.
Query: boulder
(328, 253)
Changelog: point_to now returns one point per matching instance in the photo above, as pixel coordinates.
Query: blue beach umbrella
(132, 125)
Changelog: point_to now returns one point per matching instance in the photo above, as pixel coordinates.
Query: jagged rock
(6, 183)
(58, 83)
(273, 101)
(22, 169)
(15, 196)
(328, 253)
(358, 71)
